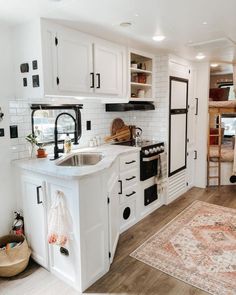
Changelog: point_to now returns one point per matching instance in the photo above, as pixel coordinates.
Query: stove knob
(146, 152)
(162, 148)
(155, 149)
(151, 151)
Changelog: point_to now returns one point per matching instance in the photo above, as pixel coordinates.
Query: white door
(113, 211)
(35, 218)
(75, 62)
(108, 68)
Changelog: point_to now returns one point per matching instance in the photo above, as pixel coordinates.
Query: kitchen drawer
(129, 178)
(129, 161)
(129, 193)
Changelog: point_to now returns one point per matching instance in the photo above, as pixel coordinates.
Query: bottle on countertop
(67, 144)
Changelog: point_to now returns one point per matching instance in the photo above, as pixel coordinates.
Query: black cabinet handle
(99, 80)
(92, 74)
(38, 196)
(128, 179)
(121, 187)
(129, 195)
(196, 111)
(195, 155)
(130, 162)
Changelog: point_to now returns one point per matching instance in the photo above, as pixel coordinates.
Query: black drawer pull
(130, 162)
(131, 194)
(128, 179)
(92, 74)
(121, 187)
(99, 80)
(38, 196)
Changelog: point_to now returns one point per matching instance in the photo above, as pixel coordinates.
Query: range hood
(131, 106)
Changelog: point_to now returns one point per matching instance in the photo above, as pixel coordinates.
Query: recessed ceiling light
(200, 56)
(204, 23)
(214, 65)
(136, 14)
(126, 24)
(158, 38)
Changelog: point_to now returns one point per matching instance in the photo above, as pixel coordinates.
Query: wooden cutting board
(116, 125)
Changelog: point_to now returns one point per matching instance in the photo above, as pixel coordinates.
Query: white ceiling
(181, 21)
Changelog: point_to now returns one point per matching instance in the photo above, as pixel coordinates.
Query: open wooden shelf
(141, 84)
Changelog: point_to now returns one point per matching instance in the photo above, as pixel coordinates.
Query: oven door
(148, 167)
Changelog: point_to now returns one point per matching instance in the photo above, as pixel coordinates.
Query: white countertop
(47, 167)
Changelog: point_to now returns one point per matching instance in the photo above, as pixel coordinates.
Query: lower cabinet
(113, 210)
(34, 207)
(85, 258)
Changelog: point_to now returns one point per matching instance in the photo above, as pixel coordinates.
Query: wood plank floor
(127, 275)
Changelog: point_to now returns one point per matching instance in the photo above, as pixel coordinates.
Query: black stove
(149, 157)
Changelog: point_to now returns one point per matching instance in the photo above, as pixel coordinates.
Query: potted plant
(41, 152)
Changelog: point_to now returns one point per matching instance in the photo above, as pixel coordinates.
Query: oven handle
(151, 158)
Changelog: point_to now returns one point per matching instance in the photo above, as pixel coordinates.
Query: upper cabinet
(69, 64)
(108, 69)
(74, 62)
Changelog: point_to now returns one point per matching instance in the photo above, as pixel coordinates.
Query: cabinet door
(74, 62)
(108, 68)
(114, 218)
(35, 218)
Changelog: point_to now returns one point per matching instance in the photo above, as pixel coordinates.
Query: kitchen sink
(81, 159)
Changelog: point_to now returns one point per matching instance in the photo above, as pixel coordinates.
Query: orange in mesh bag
(59, 221)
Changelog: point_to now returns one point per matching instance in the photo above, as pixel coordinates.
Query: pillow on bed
(219, 94)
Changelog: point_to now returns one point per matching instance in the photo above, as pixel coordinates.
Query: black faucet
(57, 150)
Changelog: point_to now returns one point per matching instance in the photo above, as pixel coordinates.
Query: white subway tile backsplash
(154, 123)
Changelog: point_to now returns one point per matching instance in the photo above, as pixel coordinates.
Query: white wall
(202, 92)
(7, 200)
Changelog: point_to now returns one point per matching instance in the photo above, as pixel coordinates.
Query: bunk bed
(219, 151)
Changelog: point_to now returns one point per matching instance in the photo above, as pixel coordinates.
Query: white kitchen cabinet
(113, 210)
(129, 190)
(65, 266)
(108, 69)
(33, 192)
(74, 62)
(70, 64)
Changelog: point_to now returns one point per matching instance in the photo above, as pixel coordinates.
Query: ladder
(217, 159)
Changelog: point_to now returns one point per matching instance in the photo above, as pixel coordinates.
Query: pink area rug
(197, 247)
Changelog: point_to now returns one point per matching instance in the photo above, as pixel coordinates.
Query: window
(43, 122)
(229, 125)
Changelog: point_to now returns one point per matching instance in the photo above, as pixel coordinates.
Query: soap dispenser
(67, 144)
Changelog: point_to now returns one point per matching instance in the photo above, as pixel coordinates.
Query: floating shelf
(141, 99)
(141, 84)
(133, 70)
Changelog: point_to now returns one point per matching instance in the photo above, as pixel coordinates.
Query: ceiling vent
(213, 44)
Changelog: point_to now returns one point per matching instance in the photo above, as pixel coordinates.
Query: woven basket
(15, 260)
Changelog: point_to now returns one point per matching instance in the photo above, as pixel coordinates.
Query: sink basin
(81, 159)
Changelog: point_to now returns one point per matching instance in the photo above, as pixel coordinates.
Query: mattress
(227, 153)
(223, 104)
